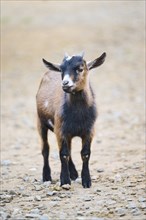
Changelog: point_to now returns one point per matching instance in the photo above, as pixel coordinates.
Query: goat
(67, 107)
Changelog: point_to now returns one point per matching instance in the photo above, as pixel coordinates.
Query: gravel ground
(35, 29)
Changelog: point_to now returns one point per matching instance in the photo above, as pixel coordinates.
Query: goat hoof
(46, 174)
(47, 178)
(65, 182)
(86, 183)
(74, 175)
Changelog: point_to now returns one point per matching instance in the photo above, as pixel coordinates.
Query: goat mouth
(68, 89)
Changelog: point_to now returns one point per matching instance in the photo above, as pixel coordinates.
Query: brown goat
(66, 105)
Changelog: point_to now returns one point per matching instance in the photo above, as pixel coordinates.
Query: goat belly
(78, 121)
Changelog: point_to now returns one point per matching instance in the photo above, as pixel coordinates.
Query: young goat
(67, 107)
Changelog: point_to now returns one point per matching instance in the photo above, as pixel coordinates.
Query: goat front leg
(64, 157)
(85, 154)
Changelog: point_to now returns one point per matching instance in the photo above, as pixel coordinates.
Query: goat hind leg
(43, 130)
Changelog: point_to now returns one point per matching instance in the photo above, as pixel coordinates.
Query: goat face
(74, 71)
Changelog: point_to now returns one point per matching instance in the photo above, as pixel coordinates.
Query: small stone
(38, 188)
(44, 217)
(12, 192)
(21, 188)
(31, 215)
(143, 205)
(57, 188)
(47, 183)
(114, 187)
(29, 199)
(35, 211)
(98, 190)
(78, 180)
(26, 178)
(100, 170)
(42, 206)
(66, 186)
(110, 202)
(6, 162)
(6, 198)
(50, 193)
(80, 213)
(3, 215)
(56, 199)
(142, 199)
(117, 178)
(132, 205)
(120, 211)
(136, 212)
(37, 198)
(87, 199)
(16, 212)
(33, 169)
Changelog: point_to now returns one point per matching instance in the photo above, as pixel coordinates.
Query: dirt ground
(32, 30)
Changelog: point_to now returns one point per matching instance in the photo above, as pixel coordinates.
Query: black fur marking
(72, 170)
(64, 155)
(78, 117)
(85, 154)
(71, 66)
(45, 153)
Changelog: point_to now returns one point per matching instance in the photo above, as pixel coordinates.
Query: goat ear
(97, 62)
(52, 66)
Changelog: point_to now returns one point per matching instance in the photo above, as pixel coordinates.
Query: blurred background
(47, 29)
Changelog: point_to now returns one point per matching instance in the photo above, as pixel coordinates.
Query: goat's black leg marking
(72, 170)
(64, 157)
(45, 153)
(85, 154)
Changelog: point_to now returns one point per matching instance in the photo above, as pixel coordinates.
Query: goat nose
(65, 82)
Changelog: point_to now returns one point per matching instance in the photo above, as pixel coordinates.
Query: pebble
(47, 183)
(6, 162)
(21, 188)
(62, 196)
(12, 192)
(16, 211)
(66, 186)
(142, 199)
(31, 215)
(3, 215)
(38, 188)
(100, 170)
(87, 199)
(42, 206)
(26, 178)
(78, 180)
(120, 211)
(37, 198)
(110, 202)
(97, 190)
(80, 213)
(44, 217)
(132, 205)
(135, 212)
(6, 198)
(50, 193)
(143, 205)
(117, 178)
(57, 188)
(33, 169)
(35, 211)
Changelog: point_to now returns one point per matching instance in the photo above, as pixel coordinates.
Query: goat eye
(79, 69)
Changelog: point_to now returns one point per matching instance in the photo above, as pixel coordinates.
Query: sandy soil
(35, 29)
